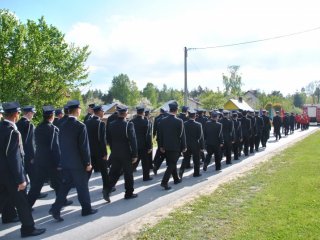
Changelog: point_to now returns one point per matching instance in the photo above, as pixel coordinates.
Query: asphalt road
(120, 213)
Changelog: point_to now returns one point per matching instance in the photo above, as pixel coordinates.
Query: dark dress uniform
(121, 137)
(259, 130)
(246, 132)
(237, 136)
(213, 137)
(266, 130)
(292, 123)
(47, 159)
(12, 174)
(183, 116)
(276, 121)
(253, 132)
(75, 157)
(144, 141)
(201, 119)
(286, 124)
(195, 143)
(26, 128)
(159, 156)
(228, 137)
(172, 139)
(87, 117)
(150, 154)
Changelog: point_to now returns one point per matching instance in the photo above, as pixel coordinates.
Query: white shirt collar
(70, 116)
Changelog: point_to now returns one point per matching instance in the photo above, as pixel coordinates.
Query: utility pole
(185, 77)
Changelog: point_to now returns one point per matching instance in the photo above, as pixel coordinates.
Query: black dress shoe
(177, 181)
(147, 179)
(67, 203)
(35, 232)
(56, 216)
(12, 220)
(133, 195)
(197, 175)
(106, 196)
(205, 166)
(91, 211)
(155, 170)
(42, 195)
(165, 186)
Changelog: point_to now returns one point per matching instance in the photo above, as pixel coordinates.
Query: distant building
(237, 104)
(251, 97)
(193, 103)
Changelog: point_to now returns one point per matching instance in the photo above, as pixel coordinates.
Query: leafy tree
(37, 66)
(232, 83)
(151, 92)
(124, 90)
(212, 100)
(299, 99)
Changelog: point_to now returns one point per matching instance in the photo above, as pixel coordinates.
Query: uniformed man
(58, 114)
(172, 141)
(195, 144)
(259, 129)
(90, 112)
(47, 156)
(237, 136)
(96, 129)
(266, 128)
(65, 116)
(13, 181)
(183, 114)
(201, 118)
(213, 137)
(252, 119)
(228, 135)
(26, 128)
(276, 121)
(246, 132)
(286, 123)
(292, 122)
(159, 156)
(148, 117)
(144, 141)
(122, 139)
(75, 162)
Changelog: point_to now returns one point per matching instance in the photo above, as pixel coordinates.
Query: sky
(146, 40)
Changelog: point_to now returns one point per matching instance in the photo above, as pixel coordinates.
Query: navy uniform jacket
(74, 145)
(194, 134)
(246, 126)
(61, 121)
(237, 129)
(122, 139)
(143, 132)
(253, 125)
(266, 122)
(227, 130)
(277, 121)
(213, 134)
(202, 120)
(172, 135)
(26, 128)
(156, 124)
(259, 124)
(55, 121)
(11, 155)
(87, 117)
(183, 116)
(47, 145)
(97, 137)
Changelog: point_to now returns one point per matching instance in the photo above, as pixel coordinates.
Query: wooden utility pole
(185, 77)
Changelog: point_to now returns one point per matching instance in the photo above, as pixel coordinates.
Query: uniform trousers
(195, 153)
(172, 159)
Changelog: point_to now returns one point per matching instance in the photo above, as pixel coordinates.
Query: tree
(232, 83)
(124, 90)
(151, 92)
(212, 100)
(299, 99)
(37, 66)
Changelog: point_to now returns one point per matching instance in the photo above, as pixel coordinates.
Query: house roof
(241, 105)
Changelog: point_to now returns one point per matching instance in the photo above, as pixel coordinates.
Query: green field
(280, 199)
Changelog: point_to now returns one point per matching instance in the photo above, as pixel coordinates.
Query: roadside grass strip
(279, 199)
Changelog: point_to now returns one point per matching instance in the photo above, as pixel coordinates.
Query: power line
(260, 40)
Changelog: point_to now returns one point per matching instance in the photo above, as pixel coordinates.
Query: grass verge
(280, 199)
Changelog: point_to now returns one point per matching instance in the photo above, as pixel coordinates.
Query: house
(237, 104)
(251, 98)
(193, 103)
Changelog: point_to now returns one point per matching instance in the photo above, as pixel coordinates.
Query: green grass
(280, 199)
